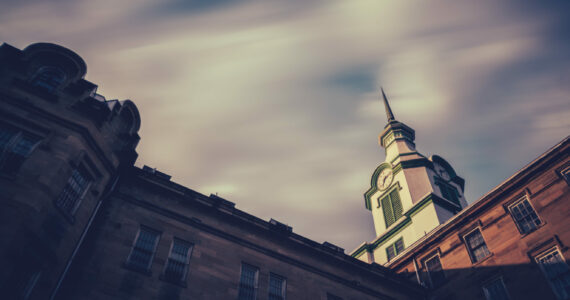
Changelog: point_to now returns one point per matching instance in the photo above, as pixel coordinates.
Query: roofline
(228, 207)
(474, 207)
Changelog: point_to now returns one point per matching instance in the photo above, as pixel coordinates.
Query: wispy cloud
(275, 105)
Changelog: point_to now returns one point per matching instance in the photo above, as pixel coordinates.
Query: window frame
(393, 246)
(90, 178)
(485, 287)
(12, 144)
(283, 295)
(148, 268)
(565, 174)
(519, 200)
(186, 263)
(448, 189)
(545, 253)
(468, 247)
(43, 81)
(255, 280)
(428, 272)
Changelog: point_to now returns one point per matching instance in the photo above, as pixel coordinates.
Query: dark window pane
(435, 271)
(476, 245)
(557, 272)
(73, 191)
(15, 147)
(276, 287)
(399, 245)
(448, 192)
(48, 78)
(525, 217)
(248, 282)
(177, 263)
(390, 252)
(495, 290)
(143, 249)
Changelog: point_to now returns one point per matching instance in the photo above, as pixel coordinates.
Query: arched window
(48, 78)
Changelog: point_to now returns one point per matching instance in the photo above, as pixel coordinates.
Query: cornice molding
(379, 271)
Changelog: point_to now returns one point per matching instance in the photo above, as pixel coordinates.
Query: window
(277, 286)
(49, 78)
(435, 271)
(495, 290)
(333, 297)
(524, 215)
(448, 192)
(15, 147)
(566, 175)
(392, 207)
(395, 249)
(143, 249)
(248, 282)
(476, 245)
(74, 191)
(176, 267)
(556, 271)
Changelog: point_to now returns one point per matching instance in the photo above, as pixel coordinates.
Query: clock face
(385, 179)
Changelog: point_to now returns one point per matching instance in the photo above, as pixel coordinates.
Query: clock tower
(409, 195)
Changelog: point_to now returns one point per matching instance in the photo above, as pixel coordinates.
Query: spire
(389, 113)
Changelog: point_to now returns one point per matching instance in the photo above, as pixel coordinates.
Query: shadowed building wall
(222, 240)
(79, 221)
(61, 148)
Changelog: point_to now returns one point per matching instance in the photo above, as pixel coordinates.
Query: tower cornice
(398, 130)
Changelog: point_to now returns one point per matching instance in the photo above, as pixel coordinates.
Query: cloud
(275, 105)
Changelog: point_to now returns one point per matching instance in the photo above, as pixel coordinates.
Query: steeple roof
(389, 114)
(403, 131)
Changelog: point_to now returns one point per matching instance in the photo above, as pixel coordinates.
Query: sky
(275, 105)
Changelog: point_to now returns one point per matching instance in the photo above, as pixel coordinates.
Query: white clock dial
(385, 179)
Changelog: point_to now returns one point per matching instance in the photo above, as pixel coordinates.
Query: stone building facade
(61, 149)
(79, 221)
(221, 242)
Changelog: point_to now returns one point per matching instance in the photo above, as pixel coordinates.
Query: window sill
(523, 235)
(482, 260)
(175, 282)
(134, 269)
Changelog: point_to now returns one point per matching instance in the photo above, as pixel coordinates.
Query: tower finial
(389, 113)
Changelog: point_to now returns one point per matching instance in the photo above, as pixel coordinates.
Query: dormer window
(49, 78)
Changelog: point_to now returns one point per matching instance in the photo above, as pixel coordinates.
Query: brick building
(510, 244)
(80, 221)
